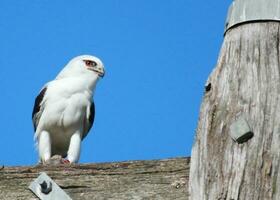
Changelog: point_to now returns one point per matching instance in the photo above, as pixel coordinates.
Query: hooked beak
(99, 71)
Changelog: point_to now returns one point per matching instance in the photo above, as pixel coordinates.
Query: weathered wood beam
(244, 84)
(155, 179)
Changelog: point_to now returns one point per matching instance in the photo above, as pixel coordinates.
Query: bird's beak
(100, 71)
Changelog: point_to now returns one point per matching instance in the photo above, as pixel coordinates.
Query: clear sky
(157, 54)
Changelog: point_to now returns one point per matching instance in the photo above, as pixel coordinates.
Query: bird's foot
(64, 161)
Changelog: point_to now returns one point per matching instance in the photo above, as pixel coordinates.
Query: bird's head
(83, 65)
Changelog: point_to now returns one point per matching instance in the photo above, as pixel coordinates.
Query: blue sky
(157, 54)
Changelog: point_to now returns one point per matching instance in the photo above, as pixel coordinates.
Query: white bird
(64, 110)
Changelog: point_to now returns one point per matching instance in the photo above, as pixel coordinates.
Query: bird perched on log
(64, 110)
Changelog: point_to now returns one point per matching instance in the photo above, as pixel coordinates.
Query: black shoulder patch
(89, 121)
(37, 106)
(91, 115)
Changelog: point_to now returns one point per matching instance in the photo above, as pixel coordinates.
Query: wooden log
(245, 82)
(155, 179)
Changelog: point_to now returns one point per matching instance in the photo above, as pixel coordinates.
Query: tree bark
(244, 83)
(157, 179)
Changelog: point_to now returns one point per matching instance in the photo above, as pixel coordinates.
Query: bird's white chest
(65, 108)
(66, 112)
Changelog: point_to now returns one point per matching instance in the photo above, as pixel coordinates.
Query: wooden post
(154, 179)
(244, 85)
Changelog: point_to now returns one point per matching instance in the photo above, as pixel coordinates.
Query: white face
(95, 66)
(85, 64)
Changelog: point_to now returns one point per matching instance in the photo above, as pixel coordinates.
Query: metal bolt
(45, 188)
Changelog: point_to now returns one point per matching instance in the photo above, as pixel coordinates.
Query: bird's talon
(64, 161)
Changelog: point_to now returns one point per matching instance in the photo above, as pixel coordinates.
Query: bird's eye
(90, 63)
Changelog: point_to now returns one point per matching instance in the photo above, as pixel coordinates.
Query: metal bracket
(46, 189)
(240, 131)
(242, 11)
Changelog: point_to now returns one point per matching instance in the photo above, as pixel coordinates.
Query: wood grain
(155, 179)
(246, 81)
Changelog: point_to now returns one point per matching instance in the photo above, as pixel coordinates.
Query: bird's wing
(89, 119)
(38, 108)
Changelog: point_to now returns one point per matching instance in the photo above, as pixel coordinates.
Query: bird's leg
(73, 153)
(44, 146)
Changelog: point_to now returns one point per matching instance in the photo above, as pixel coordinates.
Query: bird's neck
(82, 83)
(89, 82)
